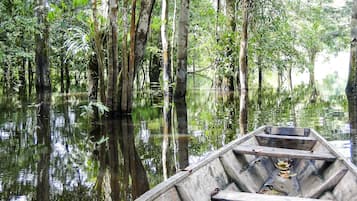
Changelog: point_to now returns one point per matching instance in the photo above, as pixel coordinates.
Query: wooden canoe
(270, 163)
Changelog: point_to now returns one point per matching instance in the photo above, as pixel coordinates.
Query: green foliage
(79, 3)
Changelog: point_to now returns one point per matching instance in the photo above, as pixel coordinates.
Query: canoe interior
(262, 165)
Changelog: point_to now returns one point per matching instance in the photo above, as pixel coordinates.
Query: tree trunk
(99, 51)
(351, 88)
(260, 82)
(62, 74)
(243, 61)
(93, 79)
(43, 82)
(142, 30)
(112, 99)
(126, 62)
(128, 71)
(172, 50)
(22, 77)
(290, 69)
(67, 77)
(312, 84)
(230, 7)
(30, 76)
(181, 73)
(280, 80)
(138, 38)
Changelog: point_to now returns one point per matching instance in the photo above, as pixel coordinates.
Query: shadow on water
(53, 149)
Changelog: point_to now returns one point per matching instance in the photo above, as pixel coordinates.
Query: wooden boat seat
(283, 153)
(228, 195)
(286, 141)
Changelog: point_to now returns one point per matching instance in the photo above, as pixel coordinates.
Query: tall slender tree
(181, 72)
(43, 81)
(351, 88)
(165, 47)
(243, 75)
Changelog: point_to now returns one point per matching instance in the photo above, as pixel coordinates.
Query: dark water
(51, 149)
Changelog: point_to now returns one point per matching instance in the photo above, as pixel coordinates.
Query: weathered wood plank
(248, 177)
(346, 188)
(202, 183)
(283, 153)
(240, 196)
(287, 131)
(286, 141)
(170, 194)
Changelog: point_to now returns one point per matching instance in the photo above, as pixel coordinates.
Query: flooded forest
(104, 99)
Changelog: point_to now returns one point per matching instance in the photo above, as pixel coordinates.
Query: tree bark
(99, 51)
(167, 81)
(43, 81)
(351, 88)
(231, 23)
(93, 79)
(260, 82)
(181, 73)
(30, 76)
(172, 50)
(290, 69)
(22, 77)
(243, 61)
(138, 38)
(112, 99)
(312, 83)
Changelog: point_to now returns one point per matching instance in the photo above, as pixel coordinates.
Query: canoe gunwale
(351, 167)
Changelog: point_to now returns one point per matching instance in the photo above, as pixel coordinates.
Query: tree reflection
(118, 159)
(166, 133)
(354, 148)
(183, 138)
(43, 139)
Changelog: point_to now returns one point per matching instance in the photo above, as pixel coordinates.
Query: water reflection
(121, 174)
(51, 150)
(43, 141)
(183, 136)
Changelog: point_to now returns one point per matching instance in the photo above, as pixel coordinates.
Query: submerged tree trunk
(112, 99)
(128, 72)
(99, 51)
(43, 82)
(231, 23)
(181, 73)
(243, 61)
(351, 88)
